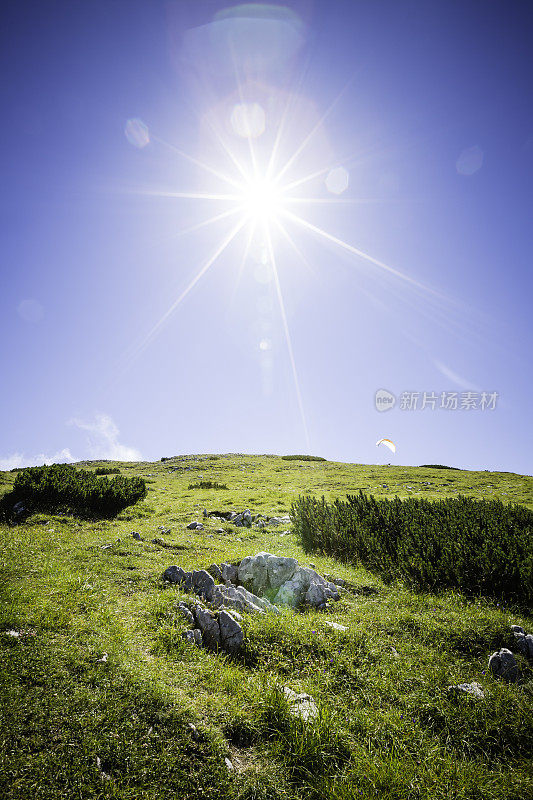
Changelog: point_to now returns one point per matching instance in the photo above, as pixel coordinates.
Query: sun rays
(267, 192)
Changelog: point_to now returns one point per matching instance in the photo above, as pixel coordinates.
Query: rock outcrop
(258, 583)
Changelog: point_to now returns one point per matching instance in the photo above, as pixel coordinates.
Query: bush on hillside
(61, 487)
(436, 466)
(303, 458)
(107, 471)
(476, 546)
(207, 485)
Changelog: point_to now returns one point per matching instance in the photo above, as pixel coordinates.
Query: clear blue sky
(410, 126)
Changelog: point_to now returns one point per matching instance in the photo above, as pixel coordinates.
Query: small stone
(214, 571)
(473, 689)
(503, 665)
(228, 572)
(203, 583)
(230, 632)
(300, 705)
(335, 625)
(228, 764)
(14, 634)
(517, 629)
(192, 526)
(193, 637)
(136, 536)
(524, 644)
(209, 627)
(174, 574)
(193, 731)
(186, 613)
(104, 776)
(315, 595)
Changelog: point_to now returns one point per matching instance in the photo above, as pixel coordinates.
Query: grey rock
(503, 665)
(217, 598)
(256, 602)
(228, 764)
(335, 625)
(253, 572)
(300, 705)
(334, 591)
(203, 583)
(230, 632)
(186, 613)
(214, 570)
(472, 689)
(208, 624)
(280, 569)
(186, 582)
(19, 509)
(234, 614)
(335, 581)
(524, 644)
(229, 572)
(292, 592)
(192, 526)
(315, 595)
(247, 518)
(174, 574)
(193, 637)
(193, 731)
(136, 536)
(230, 597)
(517, 629)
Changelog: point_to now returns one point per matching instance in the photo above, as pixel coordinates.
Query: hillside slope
(99, 689)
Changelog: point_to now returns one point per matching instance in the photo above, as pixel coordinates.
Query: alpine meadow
(106, 695)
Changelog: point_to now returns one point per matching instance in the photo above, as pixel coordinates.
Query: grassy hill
(99, 690)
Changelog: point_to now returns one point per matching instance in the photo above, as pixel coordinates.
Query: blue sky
(400, 258)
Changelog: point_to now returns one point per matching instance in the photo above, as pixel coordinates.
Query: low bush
(437, 466)
(107, 471)
(61, 487)
(303, 458)
(477, 546)
(207, 485)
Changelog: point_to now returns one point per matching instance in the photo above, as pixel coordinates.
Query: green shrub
(107, 471)
(437, 466)
(207, 485)
(303, 458)
(477, 546)
(61, 487)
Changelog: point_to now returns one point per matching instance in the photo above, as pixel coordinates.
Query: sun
(265, 189)
(262, 200)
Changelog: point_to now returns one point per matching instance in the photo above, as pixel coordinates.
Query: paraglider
(388, 443)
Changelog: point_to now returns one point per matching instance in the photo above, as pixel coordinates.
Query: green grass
(387, 726)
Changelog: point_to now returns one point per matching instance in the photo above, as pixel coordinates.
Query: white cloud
(103, 440)
(21, 460)
(455, 378)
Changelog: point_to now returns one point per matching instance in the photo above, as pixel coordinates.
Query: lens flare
(262, 200)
